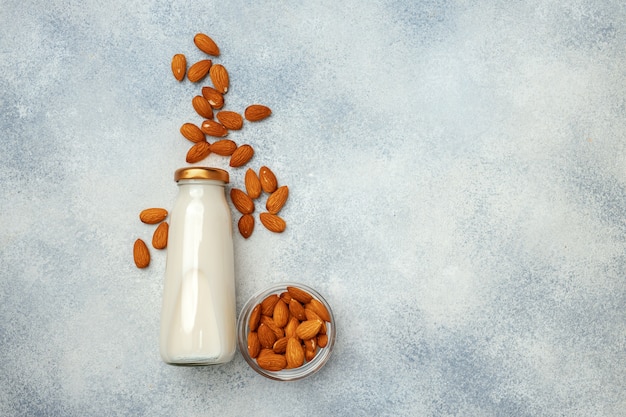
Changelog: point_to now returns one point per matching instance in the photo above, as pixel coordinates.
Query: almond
(224, 147)
(246, 225)
(192, 133)
(290, 328)
(286, 297)
(159, 237)
(308, 329)
(199, 70)
(281, 314)
(296, 309)
(213, 128)
(254, 346)
(322, 340)
(252, 183)
(241, 201)
(153, 215)
(272, 362)
(294, 353)
(269, 322)
(319, 309)
(198, 152)
(311, 315)
(179, 66)
(266, 336)
(141, 255)
(280, 346)
(202, 107)
(311, 344)
(241, 156)
(272, 222)
(257, 112)
(255, 318)
(219, 77)
(214, 97)
(277, 199)
(268, 304)
(268, 180)
(309, 354)
(230, 119)
(300, 295)
(206, 44)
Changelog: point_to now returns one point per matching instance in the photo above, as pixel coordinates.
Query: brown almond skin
(202, 107)
(272, 222)
(214, 97)
(292, 325)
(322, 340)
(296, 309)
(192, 133)
(198, 152)
(254, 346)
(269, 322)
(257, 112)
(153, 215)
(199, 70)
(268, 303)
(300, 295)
(206, 44)
(255, 318)
(213, 128)
(309, 355)
(219, 77)
(159, 237)
(252, 183)
(319, 309)
(241, 156)
(272, 362)
(179, 66)
(277, 199)
(308, 329)
(268, 180)
(281, 313)
(280, 346)
(241, 201)
(294, 353)
(246, 225)
(286, 297)
(230, 119)
(141, 254)
(223, 147)
(267, 338)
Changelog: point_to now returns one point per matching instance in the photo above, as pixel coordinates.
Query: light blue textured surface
(458, 184)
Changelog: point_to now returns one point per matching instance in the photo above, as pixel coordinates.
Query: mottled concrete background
(458, 186)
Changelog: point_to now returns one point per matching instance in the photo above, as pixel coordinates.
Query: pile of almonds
(217, 123)
(286, 330)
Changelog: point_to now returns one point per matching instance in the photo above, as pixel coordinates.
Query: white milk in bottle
(198, 313)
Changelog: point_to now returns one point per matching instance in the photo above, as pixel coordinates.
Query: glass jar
(198, 315)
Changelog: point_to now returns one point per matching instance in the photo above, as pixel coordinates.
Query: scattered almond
(214, 97)
(241, 156)
(257, 112)
(159, 237)
(198, 152)
(199, 70)
(202, 107)
(241, 201)
(179, 66)
(219, 77)
(252, 183)
(268, 180)
(153, 215)
(272, 222)
(230, 119)
(277, 199)
(206, 44)
(224, 147)
(141, 255)
(213, 128)
(192, 132)
(246, 225)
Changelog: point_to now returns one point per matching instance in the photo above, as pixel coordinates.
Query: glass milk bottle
(198, 312)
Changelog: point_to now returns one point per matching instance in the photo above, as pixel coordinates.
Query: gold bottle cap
(201, 173)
